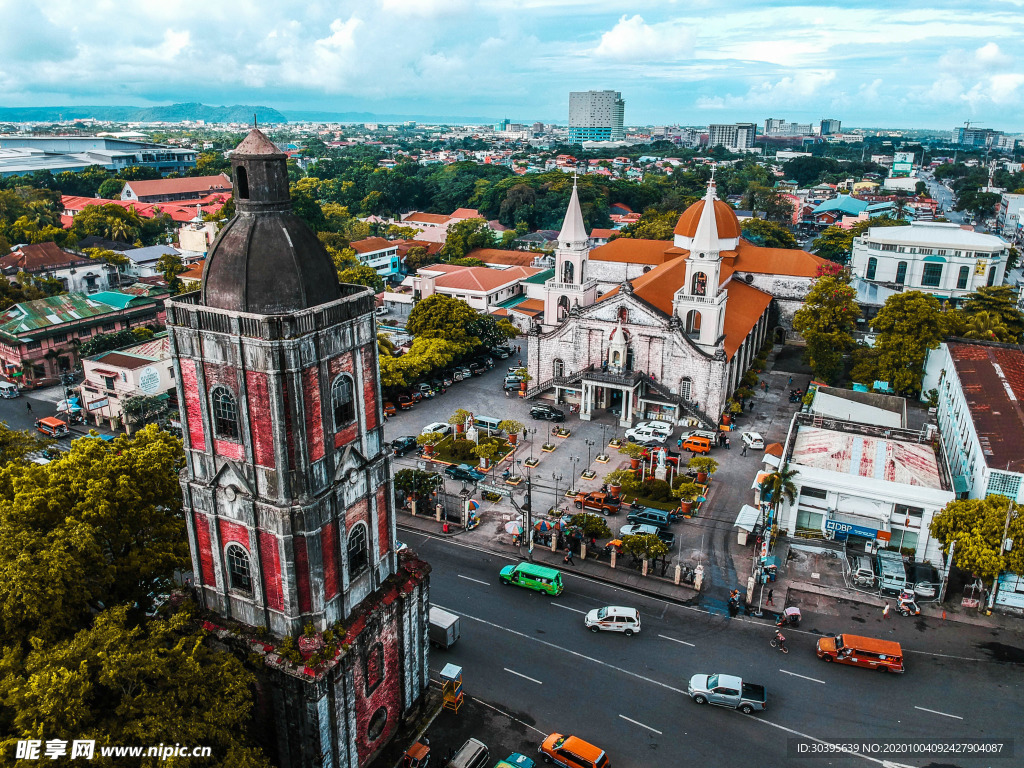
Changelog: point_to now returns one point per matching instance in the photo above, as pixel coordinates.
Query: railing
(681, 295)
(570, 286)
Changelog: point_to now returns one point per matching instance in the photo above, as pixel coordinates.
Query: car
(547, 412)
(753, 440)
(464, 370)
(456, 374)
(646, 436)
(668, 537)
(487, 360)
(439, 386)
(925, 579)
(446, 379)
(379, 311)
(405, 402)
(416, 395)
(613, 618)
(656, 426)
(516, 760)
(389, 409)
(500, 352)
(403, 445)
(598, 501)
(437, 426)
(424, 390)
(572, 752)
(638, 529)
(464, 472)
(512, 383)
(477, 367)
(515, 370)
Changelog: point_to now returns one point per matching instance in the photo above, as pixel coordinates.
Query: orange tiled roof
(426, 218)
(466, 213)
(498, 256)
(531, 305)
(371, 244)
(477, 278)
(190, 184)
(725, 216)
(629, 251)
(745, 307)
(777, 261)
(603, 234)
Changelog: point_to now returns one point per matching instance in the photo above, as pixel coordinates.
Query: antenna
(254, 120)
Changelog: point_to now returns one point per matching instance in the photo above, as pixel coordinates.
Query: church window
(616, 359)
(872, 267)
(700, 284)
(357, 551)
(563, 308)
(558, 368)
(646, 270)
(567, 272)
(374, 668)
(242, 183)
(901, 273)
(239, 575)
(693, 322)
(623, 315)
(685, 388)
(342, 403)
(225, 413)
(376, 725)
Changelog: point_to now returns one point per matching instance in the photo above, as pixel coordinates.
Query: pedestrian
(885, 611)
(727, 444)
(568, 557)
(743, 451)
(28, 405)
(507, 394)
(791, 381)
(679, 443)
(769, 601)
(520, 362)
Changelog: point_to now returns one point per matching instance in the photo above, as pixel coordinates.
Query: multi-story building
(20, 155)
(596, 116)
(111, 378)
(737, 136)
(934, 257)
(976, 137)
(169, 190)
(47, 260)
(1009, 221)
(776, 127)
(830, 126)
(380, 254)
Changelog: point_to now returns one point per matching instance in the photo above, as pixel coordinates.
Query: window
(342, 404)
(225, 413)
(872, 268)
(241, 183)
(60, 338)
(1000, 484)
(813, 493)
(567, 272)
(239, 575)
(34, 345)
(700, 284)
(888, 247)
(563, 308)
(991, 276)
(693, 322)
(901, 272)
(686, 388)
(932, 276)
(623, 314)
(357, 558)
(925, 251)
(961, 281)
(558, 368)
(107, 327)
(85, 332)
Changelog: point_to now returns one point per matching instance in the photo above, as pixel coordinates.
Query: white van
(487, 424)
(9, 390)
(613, 618)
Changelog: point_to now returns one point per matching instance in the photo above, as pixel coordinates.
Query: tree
(361, 274)
(16, 444)
(590, 525)
(646, 546)
(768, 234)
(976, 525)
(465, 236)
(761, 198)
(416, 482)
(443, 317)
(777, 486)
(834, 243)
(985, 326)
(417, 257)
(142, 409)
(980, 204)
(170, 267)
(908, 325)
(107, 256)
(827, 320)
(653, 225)
(1000, 302)
(104, 342)
(111, 189)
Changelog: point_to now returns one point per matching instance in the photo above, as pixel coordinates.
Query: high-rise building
(288, 488)
(976, 137)
(596, 116)
(732, 136)
(830, 125)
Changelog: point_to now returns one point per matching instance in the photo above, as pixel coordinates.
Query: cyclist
(780, 639)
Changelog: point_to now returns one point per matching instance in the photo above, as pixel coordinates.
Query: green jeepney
(531, 576)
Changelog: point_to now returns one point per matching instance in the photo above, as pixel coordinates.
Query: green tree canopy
(908, 325)
(976, 525)
(443, 317)
(361, 274)
(827, 320)
(465, 236)
(16, 443)
(653, 225)
(1000, 302)
(768, 234)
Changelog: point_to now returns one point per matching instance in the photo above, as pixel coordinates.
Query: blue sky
(900, 64)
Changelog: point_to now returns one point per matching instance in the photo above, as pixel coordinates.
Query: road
(528, 654)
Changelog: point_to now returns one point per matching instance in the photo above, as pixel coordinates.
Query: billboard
(902, 163)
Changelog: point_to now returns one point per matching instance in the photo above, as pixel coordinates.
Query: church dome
(725, 217)
(266, 260)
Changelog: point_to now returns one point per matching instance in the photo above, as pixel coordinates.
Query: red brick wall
(360, 511)
(230, 531)
(202, 525)
(340, 364)
(314, 419)
(302, 573)
(343, 364)
(193, 412)
(260, 418)
(386, 694)
(369, 389)
(271, 570)
(229, 449)
(346, 435)
(329, 544)
(382, 520)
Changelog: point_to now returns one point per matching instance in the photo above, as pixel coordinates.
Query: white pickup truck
(727, 691)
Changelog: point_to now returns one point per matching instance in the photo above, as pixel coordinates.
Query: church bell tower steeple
(570, 287)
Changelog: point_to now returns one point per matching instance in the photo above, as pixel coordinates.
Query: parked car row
(438, 384)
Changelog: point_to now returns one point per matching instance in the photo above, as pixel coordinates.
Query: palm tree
(777, 486)
(385, 345)
(987, 326)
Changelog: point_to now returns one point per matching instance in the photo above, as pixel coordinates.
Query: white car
(437, 426)
(638, 529)
(646, 435)
(656, 426)
(613, 618)
(753, 440)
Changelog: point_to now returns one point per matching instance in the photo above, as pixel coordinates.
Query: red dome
(725, 216)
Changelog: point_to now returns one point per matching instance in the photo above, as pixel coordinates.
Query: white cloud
(790, 92)
(634, 40)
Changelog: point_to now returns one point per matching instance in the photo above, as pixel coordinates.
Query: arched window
(693, 322)
(357, 551)
(239, 575)
(991, 276)
(242, 183)
(558, 368)
(685, 388)
(872, 267)
(901, 273)
(567, 272)
(963, 277)
(623, 314)
(563, 308)
(700, 284)
(225, 413)
(342, 404)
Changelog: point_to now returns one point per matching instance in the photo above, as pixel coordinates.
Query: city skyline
(685, 63)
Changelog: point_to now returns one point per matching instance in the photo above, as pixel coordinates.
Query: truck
(727, 691)
(444, 628)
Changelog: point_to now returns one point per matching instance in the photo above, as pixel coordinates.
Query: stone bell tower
(288, 493)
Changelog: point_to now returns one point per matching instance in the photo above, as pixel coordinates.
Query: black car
(403, 445)
(500, 352)
(464, 472)
(547, 412)
(477, 367)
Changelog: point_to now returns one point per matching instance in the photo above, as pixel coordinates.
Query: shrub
(463, 449)
(656, 490)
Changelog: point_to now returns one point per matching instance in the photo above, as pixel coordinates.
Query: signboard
(494, 489)
(842, 530)
(96, 404)
(149, 380)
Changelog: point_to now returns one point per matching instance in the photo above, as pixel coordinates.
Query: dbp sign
(842, 530)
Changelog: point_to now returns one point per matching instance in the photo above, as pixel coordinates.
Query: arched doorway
(693, 323)
(779, 336)
(563, 308)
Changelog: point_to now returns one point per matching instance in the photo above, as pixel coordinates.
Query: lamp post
(556, 477)
(575, 466)
(590, 444)
(532, 432)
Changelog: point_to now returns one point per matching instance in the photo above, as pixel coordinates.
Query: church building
(288, 494)
(658, 330)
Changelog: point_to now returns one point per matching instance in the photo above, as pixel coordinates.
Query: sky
(873, 64)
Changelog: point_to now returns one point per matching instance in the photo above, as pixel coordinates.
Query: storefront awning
(748, 518)
(772, 461)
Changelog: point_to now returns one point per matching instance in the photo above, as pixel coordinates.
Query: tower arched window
(358, 560)
(562, 308)
(700, 284)
(693, 322)
(342, 401)
(686, 388)
(567, 272)
(558, 368)
(225, 413)
(242, 183)
(872, 267)
(239, 573)
(901, 273)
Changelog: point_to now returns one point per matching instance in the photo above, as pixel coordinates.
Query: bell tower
(288, 494)
(570, 287)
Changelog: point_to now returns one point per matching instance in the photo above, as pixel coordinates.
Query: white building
(1010, 223)
(483, 288)
(736, 136)
(935, 257)
(596, 116)
(110, 378)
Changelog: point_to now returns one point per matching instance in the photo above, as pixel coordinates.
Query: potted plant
(512, 428)
(634, 452)
(428, 440)
(459, 419)
(486, 453)
(704, 465)
(686, 492)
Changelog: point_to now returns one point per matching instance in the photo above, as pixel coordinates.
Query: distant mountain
(316, 116)
(171, 113)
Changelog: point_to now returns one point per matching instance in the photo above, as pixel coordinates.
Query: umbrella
(542, 526)
(515, 527)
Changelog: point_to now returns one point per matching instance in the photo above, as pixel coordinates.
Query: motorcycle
(789, 618)
(908, 605)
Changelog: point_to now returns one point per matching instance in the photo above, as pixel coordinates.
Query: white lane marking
(804, 677)
(473, 580)
(571, 652)
(567, 608)
(520, 674)
(945, 655)
(637, 722)
(851, 753)
(510, 717)
(681, 642)
(936, 712)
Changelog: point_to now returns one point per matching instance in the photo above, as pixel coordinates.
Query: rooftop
(43, 256)
(187, 184)
(936, 233)
(476, 278)
(372, 245)
(41, 314)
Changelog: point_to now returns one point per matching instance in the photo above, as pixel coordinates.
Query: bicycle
(774, 643)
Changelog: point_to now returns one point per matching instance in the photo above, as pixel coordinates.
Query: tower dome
(266, 260)
(726, 225)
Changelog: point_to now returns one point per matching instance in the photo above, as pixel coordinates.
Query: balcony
(579, 287)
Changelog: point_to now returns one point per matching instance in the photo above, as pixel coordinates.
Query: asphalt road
(529, 655)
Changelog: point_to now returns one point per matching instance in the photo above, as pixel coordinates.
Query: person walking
(743, 450)
(568, 557)
(885, 611)
(791, 381)
(679, 443)
(28, 406)
(769, 601)
(727, 444)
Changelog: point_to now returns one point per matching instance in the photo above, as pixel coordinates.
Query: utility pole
(945, 575)
(529, 519)
(1002, 549)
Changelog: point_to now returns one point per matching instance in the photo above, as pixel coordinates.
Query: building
(830, 126)
(47, 260)
(976, 137)
(170, 190)
(108, 379)
(381, 255)
(288, 486)
(935, 257)
(776, 127)
(483, 288)
(737, 136)
(39, 339)
(596, 116)
(656, 329)
(21, 155)
(880, 483)
(834, 210)
(183, 211)
(145, 262)
(1009, 221)
(902, 164)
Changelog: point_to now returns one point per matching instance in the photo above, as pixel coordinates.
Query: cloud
(790, 92)
(634, 40)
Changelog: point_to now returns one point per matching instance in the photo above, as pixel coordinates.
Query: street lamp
(575, 466)
(590, 444)
(556, 477)
(532, 433)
